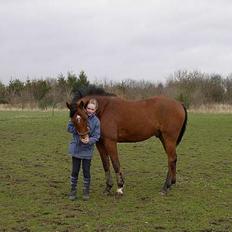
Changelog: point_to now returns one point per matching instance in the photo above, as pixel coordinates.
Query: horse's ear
(68, 105)
(81, 105)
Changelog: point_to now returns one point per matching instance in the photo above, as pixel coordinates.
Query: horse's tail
(183, 127)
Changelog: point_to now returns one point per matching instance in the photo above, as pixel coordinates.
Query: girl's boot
(86, 189)
(73, 192)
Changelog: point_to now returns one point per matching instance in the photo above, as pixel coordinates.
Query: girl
(81, 150)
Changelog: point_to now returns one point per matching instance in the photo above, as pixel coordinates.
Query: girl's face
(90, 109)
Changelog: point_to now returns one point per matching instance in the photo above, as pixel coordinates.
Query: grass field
(35, 169)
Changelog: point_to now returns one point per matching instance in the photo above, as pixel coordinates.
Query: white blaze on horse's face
(81, 126)
(78, 118)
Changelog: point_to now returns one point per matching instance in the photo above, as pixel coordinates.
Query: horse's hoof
(107, 191)
(163, 193)
(119, 192)
(118, 195)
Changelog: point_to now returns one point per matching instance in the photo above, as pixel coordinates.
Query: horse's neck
(102, 103)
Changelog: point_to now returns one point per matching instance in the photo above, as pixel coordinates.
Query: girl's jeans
(76, 164)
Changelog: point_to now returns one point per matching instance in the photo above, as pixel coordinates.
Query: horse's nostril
(85, 136)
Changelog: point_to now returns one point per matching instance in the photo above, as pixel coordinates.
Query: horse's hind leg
(111, 148)
(170, 148)
(106, 166)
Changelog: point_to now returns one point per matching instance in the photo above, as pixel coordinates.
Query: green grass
(35, 170)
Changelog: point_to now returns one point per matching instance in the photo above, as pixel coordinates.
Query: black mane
(89, 90)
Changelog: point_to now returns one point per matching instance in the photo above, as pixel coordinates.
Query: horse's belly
(131, 140)
(134, 136)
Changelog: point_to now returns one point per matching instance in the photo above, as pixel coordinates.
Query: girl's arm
(96, 134)
(71, 128)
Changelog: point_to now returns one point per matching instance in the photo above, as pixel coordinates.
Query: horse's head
(79, 118)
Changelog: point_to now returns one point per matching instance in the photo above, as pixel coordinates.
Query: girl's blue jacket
(76, 147)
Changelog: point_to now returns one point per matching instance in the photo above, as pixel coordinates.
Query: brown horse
(134, 121)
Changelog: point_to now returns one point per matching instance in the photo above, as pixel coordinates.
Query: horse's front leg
(106, 166)
(111, 149)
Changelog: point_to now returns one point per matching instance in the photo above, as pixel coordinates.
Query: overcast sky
(114, 39)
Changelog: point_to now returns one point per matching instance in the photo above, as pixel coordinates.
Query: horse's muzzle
(84, 134)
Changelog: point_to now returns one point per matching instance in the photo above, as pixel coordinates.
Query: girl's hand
(85, 140)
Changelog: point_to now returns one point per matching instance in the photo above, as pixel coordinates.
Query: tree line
(194, 88)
